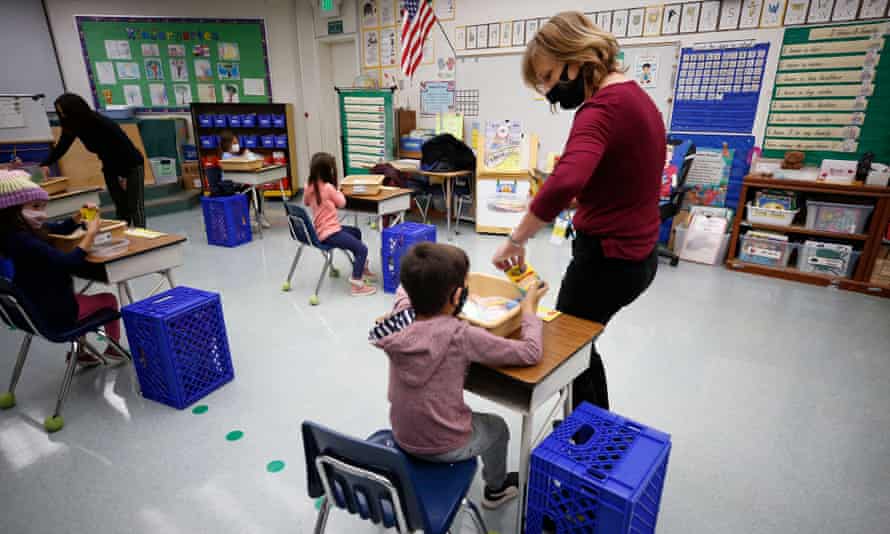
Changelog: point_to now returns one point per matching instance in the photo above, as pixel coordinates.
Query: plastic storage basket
(220, 121)
(775, 217)
(189, 152)
(597, 473)
(278, 121)
(227, 220)
(206, 120)
(834, 217)
(823, 258)
(267, 141)
(248, 120)
(208, 141)
(235, 120)
(395, 243)
(179, 345)
(765, 251)
(164, 170)
(680, 238)
(248, 141)
(264, 120)
(281, 141)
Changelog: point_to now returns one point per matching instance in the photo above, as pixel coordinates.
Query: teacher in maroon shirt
(611, 168)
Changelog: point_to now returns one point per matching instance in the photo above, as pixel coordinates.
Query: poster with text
(652, 26)
(178, 71)
(506, 34)
(471, 37)
(671, 19)
(133, 96)
(460, 38)
(619, 23)
(773, 12)
(635, 22)
(873, 9)
(368, 14)
(388, 12)
(796, 13)
(228, 71)
(371, 46)
(750, 14)
(182, 93)
(444, 9)
(494, 35)
(845, 10)
(518, 33)
(646, 71)
(710, 15)
(689, 22)
(389, 47)
(176, 50)
(820, 11)
(501, 203)
(730, 12)
(105, 73)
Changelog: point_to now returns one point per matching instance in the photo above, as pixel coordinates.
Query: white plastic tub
(680, 238)
(774, 217)
(835, 217)
(809, 261)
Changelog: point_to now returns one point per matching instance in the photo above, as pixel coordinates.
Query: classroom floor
(775, 393)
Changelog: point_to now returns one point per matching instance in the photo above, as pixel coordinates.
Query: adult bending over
(611, 166)
(122, 163)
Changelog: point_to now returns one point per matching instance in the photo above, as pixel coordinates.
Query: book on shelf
(774, 200)
(770, 236)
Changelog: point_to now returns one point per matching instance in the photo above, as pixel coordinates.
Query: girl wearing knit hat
(43, 273)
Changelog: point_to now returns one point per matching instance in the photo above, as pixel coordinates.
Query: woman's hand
(509, 255)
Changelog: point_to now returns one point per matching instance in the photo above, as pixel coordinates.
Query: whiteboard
(36, 123)
(503, 94)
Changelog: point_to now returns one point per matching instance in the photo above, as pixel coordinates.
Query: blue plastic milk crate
(395, 243)
(267, 141)
(205, 120)
(208, 141)
(248, 120)
(597, 473)
(248, 141)
(281, 141)
(179, 345)
(189, 152)
(278, 121)
(264, 120)
(220, 121)
(227, 220)
(235, 120)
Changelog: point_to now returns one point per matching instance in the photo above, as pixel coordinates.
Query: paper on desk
(547, 314)
(142, 232)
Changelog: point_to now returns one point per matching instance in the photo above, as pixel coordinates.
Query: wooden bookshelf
(868, 244)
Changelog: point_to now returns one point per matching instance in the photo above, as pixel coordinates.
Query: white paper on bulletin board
(436, 97)
(501, 203)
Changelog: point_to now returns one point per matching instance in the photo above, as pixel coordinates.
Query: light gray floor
(776, 395)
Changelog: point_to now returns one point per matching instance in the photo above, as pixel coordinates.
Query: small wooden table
(390, 201)
(525, 389)
(143, 257)
(68, 202)
(265, 175)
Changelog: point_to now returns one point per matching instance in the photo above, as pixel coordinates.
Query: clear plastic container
(110, 248)
(680, 238)
(821, 258)
(775, 217)
(765, 251)
(835, 217)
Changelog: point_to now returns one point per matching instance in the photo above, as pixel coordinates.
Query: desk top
(448, 174)
(385, 193)
(74, 192)
(140, 245)
(563, 337)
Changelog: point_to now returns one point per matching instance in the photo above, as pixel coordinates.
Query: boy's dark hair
(322, 169)
(226, 138)
(647, 65)
(430, 273)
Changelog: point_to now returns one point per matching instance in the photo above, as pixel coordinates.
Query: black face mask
(461, 300)
(568, 93)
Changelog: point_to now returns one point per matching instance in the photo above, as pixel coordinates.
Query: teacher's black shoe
(495, 498)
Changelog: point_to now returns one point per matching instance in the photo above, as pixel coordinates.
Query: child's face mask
(34, 218)
(236, 148)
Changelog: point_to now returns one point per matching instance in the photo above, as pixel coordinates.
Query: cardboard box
(363, 185)
(191, 176)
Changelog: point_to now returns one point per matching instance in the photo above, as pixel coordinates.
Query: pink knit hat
(16, 188)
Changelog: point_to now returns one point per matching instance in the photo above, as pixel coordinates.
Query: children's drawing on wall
(387, 13)
(872, 9)
(203, 71)
(710, 11)
(231, 93)
(127, 71)
(183, 94)
(158, 94)
(150, 49)
(671, 22)
(176, 50)
(229, 52)
(201, 50)
(635, 22)
(445, 67)
(153, 70)
(228, 71)
(117, 49)
(207, 93)
(105, 72)
(133, 96)
(372, 49)
(369, 14)
(178, 70)
(646, 71)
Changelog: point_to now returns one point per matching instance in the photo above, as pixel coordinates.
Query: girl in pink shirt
(323, 198)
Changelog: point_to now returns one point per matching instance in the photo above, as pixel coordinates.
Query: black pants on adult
(595, 288)
(129, 203)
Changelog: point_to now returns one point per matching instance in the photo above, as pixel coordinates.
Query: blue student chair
(303, 231)
(17, 312)
(376, 481)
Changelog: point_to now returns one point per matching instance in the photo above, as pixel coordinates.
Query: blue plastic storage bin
(248, 141)
(235, 120)
(278, 121)
(597, 473)
(7, 269)
(227, 220)
(395, 243)
(267, 141)
(281, 141)
(411, 144)
(209, 141)
(264, 120)
(220, 121)
(248, 120)
(190, 152)
(206, 120)
(179, 344)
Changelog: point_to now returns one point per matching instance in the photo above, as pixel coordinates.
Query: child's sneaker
(360, 289)
(369, 276)
(494, 498)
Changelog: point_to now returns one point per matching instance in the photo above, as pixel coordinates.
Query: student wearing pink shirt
(323, 198)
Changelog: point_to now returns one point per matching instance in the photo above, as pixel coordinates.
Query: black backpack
(446, 153)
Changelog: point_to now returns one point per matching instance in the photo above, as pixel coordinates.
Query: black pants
(129, 203)
(595, 288)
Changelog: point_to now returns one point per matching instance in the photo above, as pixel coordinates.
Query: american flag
(417, 21)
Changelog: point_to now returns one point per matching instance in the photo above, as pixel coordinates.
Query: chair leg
(7, 400)
(56, 422)
(322, 521)
(293, 268)
(328, 259)
(424, 206)
(86, 345)
(117, 346)
(473, 511)
(460, 211)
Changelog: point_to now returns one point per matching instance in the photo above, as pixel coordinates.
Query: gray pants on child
(489, 440)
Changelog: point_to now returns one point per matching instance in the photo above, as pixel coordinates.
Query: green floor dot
(199, 409)
(318, 502)
(275, 466)
(234, 435)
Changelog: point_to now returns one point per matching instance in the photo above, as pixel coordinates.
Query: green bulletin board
(163, 64)
(831, 98)
(367, 127)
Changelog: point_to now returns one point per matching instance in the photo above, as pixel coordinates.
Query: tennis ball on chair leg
(335, 273)
(285, 286)
(314, 300)
(7, 400)
(54, 423)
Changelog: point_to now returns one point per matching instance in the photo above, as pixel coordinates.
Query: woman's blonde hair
(571, 37)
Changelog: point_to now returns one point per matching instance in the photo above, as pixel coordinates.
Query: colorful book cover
(503, 145)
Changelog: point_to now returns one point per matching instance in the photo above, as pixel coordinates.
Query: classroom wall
(28, 62)
(281, 28)
(496, 74)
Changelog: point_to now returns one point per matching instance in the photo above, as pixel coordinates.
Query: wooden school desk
(143, 257)
(266, 175)
(389, 201)
(567, 341)
(68, 202)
